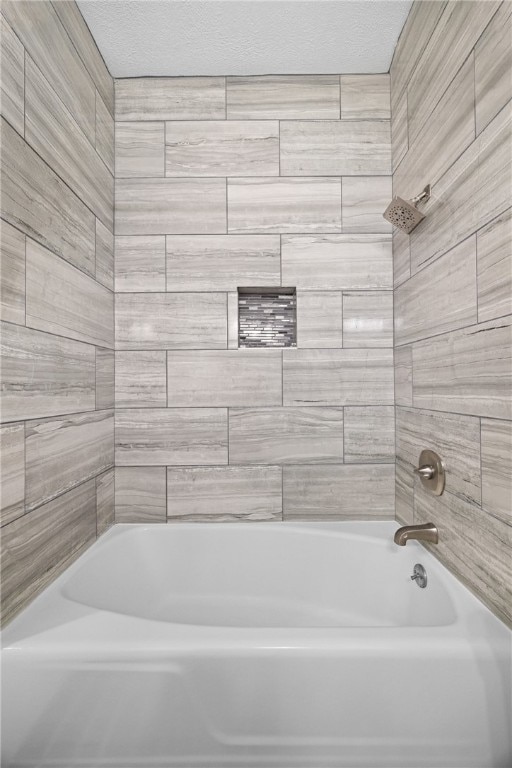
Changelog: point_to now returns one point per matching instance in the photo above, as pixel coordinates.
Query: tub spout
(426, 532)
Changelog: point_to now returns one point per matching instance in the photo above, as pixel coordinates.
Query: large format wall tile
(179, 436)
(12, 287)
(337, 262)
(52, 132)
(365, 97)
(284, 205)
(399, 137)
(285, 435)
(105, 130)
(282, 97)
(170, 206)
(223, 148)
(141, 379)
(455, 438)
(62, 300)
(140, 149)
(474, 545)
(43, 375)
(36, 201)
(227, 377)
(493, 67)
(319, 319)
(12, 75)
(141, 495)
(494, 268)
(338, 376)
(222, 262)
(401, 256)
(439, 298)
(39, 545)
(369, 435)
(364, 199)
(140, 263)
(104, 255)
(338, 492)
(468, 371)
(403, 375)
(12, 469)
(104, 378)
(170, 98)
(496, 439)
(368, 319)
(171, 321)
(65, 451)
(215, 494)
(323, 148)
(49, 45)
(105, 501)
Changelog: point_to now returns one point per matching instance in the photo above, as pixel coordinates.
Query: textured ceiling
(245, 37)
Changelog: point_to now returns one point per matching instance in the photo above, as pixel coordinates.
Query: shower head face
(403, 214)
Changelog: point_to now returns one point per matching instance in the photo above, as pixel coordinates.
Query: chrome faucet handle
(427, 471)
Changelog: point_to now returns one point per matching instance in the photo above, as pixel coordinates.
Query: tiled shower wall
(235, 182)
(57, 295)
(451, 103)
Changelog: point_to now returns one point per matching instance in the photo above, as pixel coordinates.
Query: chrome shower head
(404, 214)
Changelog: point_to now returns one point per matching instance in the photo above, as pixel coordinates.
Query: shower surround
(259, 182)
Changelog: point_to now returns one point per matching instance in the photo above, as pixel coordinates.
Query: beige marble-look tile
(284, 205)
(104, 378)
(140, 495)
(38, 546)
(141, 380)
(52, 132)
(468, 371)
(496, 437)
(456, 33)
(337, 492)
(404, 493)
(140, 263)
(493, 67)
(104, 501)
(43, 375)
(105, 132)
(439, 298)
(472, 544)
(222, 262)
(86, 47)
(472, 192)
(170, 206)
(221, 494)
(171, 436)
(365, 97)
(170, 98)
(330, 147)
(171, 321)
(232, 320)
(12, 77)
(494, 268)
(337, 262)
(285, 435)
(227, 377)
(403, 375)
(36, 201)
(454, 437)
(12, 266)
(64, 451)
(12, 472)
(222, 148)
(44, 37)
(368, 319)
(338, 377)
(104, 255)
(399, 136)
(369, 435)
(140, 149)
(319, 320)
(60, 299)
(283, 97)
(364, 200)
(441, 140)
(401, 256)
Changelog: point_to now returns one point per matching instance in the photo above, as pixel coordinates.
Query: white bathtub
(274, 645)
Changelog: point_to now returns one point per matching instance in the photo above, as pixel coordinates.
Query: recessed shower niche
(267, 317)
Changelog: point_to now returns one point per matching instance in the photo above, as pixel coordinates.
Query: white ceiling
(245, 37)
